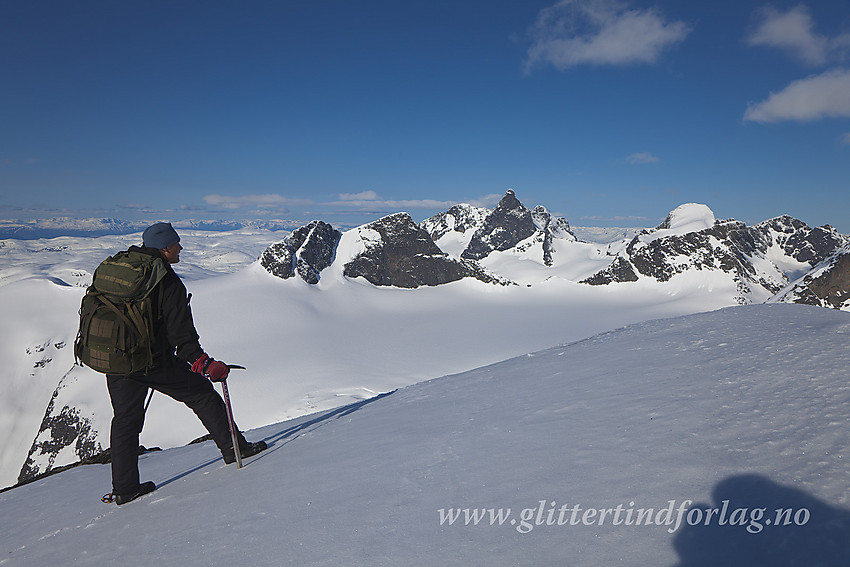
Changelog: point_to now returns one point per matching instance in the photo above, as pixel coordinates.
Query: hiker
(180, 369)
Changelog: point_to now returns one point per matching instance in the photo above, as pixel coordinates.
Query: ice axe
(232, 423)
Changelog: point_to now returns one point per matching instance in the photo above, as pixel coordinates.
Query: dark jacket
(174, 328)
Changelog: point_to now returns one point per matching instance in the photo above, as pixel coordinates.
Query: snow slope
(734, 413)
(309, 348)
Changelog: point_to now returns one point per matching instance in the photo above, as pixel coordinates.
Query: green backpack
(116, 314)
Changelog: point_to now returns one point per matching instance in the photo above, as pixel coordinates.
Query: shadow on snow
(764, 523)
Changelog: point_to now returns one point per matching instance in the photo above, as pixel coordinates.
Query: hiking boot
(143, 489)
(247, 451)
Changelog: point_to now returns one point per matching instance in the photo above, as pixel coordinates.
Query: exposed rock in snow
(759, 258)
(66, 433)
(505, 227)
(306, 252)
(460, 219)
(548, 229)
(828, 285)
(403, 255)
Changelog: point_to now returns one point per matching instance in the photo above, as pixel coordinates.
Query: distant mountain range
(781, 259)
(69, 226)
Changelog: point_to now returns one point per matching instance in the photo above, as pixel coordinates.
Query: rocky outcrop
(510, 227)
(828, 285)
(60, 429)
(620, 270)
(505, 227)
(728, 246)
(400, 253)
(550, 228)
(799, 241)
(459, 218)
(306, 252)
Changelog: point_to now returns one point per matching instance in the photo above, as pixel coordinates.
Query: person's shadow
(764, 523)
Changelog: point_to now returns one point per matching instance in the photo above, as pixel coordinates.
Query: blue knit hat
(160, 235)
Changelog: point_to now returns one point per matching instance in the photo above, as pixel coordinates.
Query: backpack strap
(117, 311)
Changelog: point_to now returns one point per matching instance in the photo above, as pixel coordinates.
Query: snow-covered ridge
(690, 217)
(513, 244)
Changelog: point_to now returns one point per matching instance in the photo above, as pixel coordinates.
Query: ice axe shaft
(236, 450)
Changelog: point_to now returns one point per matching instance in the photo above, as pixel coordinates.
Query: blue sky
(609, 113)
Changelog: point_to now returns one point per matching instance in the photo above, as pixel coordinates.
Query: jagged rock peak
(459, 218)
(783, 224)
(801, 242)
(306, 252)
(558, 227)
(404, 255)
(507, 225)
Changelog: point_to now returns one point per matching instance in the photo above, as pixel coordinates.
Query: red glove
(213, 369)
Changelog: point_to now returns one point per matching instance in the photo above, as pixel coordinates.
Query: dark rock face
(729, 246)
(828, 286)
(620, 270)
(658, 259)
(507, 227)
(662, 258)
(508, 224)
(799, 241)
(832, 287)
(406, 256)
(306, 252)
(59, 429)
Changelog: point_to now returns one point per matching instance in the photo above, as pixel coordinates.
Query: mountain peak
(508, 224)
(404, 255)
(306, 252)
(689, 217)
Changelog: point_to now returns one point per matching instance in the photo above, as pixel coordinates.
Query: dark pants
(175, 379)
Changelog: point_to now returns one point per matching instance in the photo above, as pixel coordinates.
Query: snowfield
(310, 348)
(710, 439)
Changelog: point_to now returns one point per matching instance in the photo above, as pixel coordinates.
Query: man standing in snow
(181, 370)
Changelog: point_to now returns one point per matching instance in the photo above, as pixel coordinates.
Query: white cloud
(600, 32)
(821, 96)
(268, 201)
(372, 202)
(393, 205)
(362, 196)
(642, 158)
(846, 138)
(793, 32)
(618, 218)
